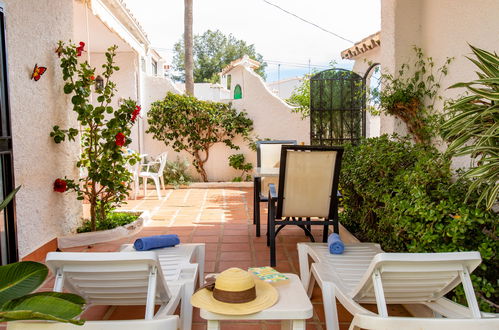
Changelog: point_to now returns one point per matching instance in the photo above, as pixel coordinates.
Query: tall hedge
(402, 195)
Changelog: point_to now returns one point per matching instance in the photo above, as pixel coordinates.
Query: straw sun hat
(235, 292)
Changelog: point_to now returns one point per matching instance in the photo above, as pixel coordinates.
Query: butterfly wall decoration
(37, 72)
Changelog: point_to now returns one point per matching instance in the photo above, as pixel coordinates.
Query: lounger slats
(431, 275)
(399, 278)
(82, 282)
(165, 277)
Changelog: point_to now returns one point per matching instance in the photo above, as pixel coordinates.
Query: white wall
(33, 29)
(207, 91)
(442, 28)
(272, 118)
(400, 30)
(125, 78)
(284, 88)
(154, 89)
(448, 26)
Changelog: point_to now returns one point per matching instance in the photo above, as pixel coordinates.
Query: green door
(238, 93)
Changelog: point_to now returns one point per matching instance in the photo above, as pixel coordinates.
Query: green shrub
(113, 220)
(175, 173)
(237, 162)
(402, 196)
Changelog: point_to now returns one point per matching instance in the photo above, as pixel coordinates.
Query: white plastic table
(266, 171)
(293, 308)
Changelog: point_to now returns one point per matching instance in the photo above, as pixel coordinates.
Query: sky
(280, 37)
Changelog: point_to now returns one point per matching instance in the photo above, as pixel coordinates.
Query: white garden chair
(120, 279)
(156, 176)
(168, 323)
(364, 274)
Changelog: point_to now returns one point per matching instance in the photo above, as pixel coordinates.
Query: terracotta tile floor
(223, 219)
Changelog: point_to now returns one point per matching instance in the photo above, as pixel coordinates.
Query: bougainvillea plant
(105, 132)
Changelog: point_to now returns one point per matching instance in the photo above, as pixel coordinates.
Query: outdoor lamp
(99, 83)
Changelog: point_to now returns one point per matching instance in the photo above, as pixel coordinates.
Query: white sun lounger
(117, 278)
(364, 274)
(182, 265)
(168, 323)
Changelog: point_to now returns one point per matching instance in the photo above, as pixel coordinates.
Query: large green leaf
(9, 197)
(30, 315)
(21, 278)
(70, 297)
(473, 127)
(59, 305)
(486, 93)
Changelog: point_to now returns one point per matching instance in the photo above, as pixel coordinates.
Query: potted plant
(104, 134)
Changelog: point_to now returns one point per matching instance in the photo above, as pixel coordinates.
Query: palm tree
(189, 59)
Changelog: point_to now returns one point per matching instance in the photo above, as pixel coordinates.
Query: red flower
(80, 49)
(136, 113)
(60, 185)
(120, 139)
(92, 77)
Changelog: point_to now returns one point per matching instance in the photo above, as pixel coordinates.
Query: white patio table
(293, 308)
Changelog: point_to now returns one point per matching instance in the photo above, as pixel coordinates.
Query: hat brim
(266, 296)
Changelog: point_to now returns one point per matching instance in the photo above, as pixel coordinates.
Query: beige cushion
(270, 155)
(308, 183)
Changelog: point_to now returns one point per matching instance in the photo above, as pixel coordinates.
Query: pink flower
(136, 113)
(80, 49)
(120, 139)
(60, 185)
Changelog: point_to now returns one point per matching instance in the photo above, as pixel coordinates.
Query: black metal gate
(337, 107)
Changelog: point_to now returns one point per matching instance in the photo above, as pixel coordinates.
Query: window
(143, 64)
(238, 93)
(154, 65)
(229, 80)
(8, 241)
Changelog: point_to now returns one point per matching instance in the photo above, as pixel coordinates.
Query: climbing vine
(410, 95)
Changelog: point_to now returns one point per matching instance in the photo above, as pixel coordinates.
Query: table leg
(293, 325)
(213, 325)
(200, 253)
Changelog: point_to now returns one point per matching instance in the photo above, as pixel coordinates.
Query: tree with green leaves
(213, 51)
(195, 126)
(300, 98)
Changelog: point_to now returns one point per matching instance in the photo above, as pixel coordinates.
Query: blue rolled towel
(335, 244)
(155, 242)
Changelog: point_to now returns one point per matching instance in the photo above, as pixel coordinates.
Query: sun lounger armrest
(272, 192)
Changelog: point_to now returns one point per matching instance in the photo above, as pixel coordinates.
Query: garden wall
(42, 214)
(442, 29)
(271, 116)
(285, 88)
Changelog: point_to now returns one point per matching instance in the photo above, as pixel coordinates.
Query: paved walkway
(222, 218)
